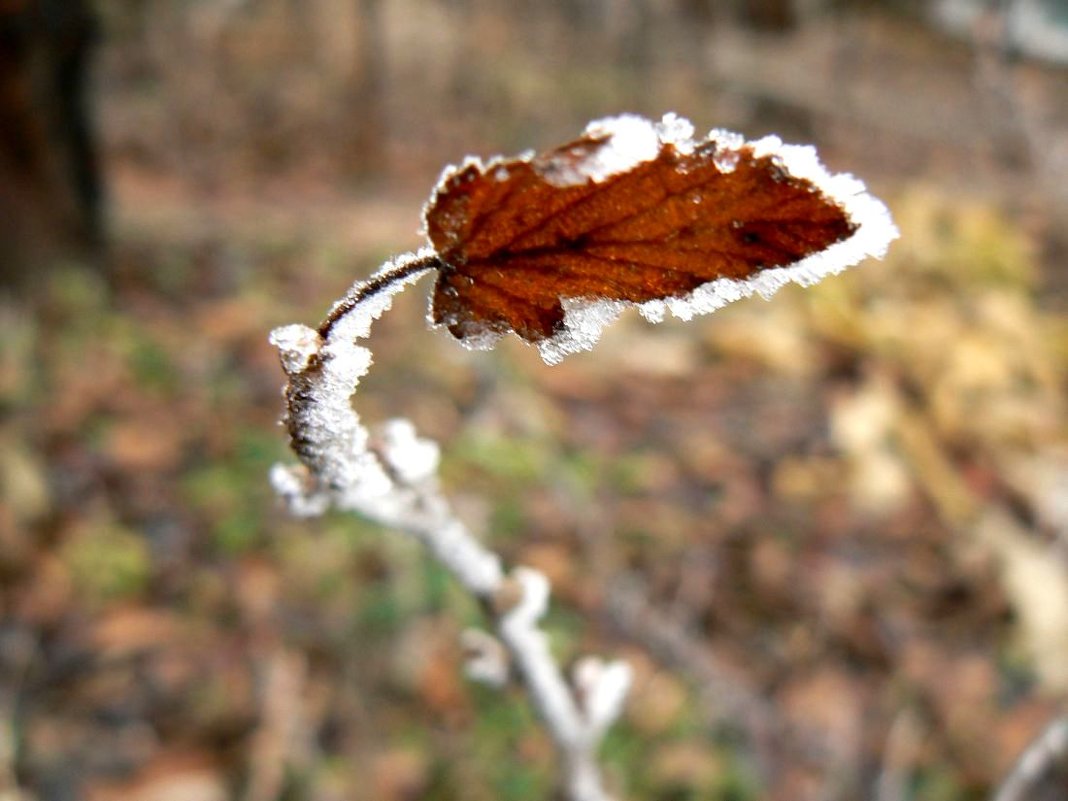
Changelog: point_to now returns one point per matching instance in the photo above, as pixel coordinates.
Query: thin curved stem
(381, 281)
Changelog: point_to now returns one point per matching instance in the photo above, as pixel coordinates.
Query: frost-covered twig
(390, 476)
(553, 247)
(1046, 755)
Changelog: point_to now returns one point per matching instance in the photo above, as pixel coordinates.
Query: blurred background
(830, 532)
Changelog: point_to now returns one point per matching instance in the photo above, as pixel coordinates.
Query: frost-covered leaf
(553, 247)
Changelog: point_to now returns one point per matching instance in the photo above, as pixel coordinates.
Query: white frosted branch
(389, 475)
(1046, 755)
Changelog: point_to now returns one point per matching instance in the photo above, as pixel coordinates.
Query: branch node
(487, 659)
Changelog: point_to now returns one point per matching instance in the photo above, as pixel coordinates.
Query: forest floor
(827, 531)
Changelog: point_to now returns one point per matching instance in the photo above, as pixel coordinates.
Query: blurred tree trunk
(773, 16)
(50, 190)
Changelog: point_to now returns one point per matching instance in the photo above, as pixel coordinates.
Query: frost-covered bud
(297, 344)
(411, 458)
(535, 600)
(601, 687)
(291, 484)
(486, 658)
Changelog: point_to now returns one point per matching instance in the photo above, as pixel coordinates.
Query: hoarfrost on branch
(389, 475)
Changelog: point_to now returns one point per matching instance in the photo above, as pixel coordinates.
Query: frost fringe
(630, 140)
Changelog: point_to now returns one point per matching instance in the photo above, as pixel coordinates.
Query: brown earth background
(829, 532)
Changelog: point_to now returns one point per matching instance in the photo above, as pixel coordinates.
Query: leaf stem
(376, 284)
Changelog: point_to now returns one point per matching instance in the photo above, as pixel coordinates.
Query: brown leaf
(517, 236)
